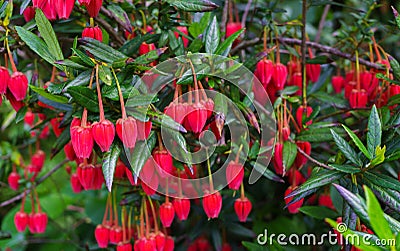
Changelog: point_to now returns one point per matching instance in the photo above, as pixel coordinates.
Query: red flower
(143, 129)
(293, 208)
(313, 71)
(102, 235)
(164, 161)
(337, 83)
(242, 208)
(13, 180)
(29, 13)
(103, 133)
(358, 98)
(184, 30)
(64, 8)
(93, 32)
(18, 85)
(127, 131)
(75, 183)
(303, 111)
(182, 208)
(234, 175)
(82, 141)
(300, 158)
(212, 204)
(21, 220)
(196, 117)
(264, 71)
(4, 78)
(167, 213)
(278, 159)
(279, 76)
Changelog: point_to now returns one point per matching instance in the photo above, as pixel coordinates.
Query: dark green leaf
(394, 64)
(81, 79)
(175, 44)
(358, 142)
(256, 247)
(266, 172)
(289, 154)
(390, 197)
(239, 230)
(48, 35)
(319, 134)
(37, 45)
(141, 152)
(346, 149)
(49, 96)
(84, 57)
(374, 133)
(318, 212)
(197, 28)
(382, 180)
(317, 180)
(211, 38)
(85, 97)
(61, 141)
(72, 64)
(333, 100)
(346, 168)
(227, 44)
(119, 14)
(110, 159)
(193, 5)
(105, 74)
(101, 51)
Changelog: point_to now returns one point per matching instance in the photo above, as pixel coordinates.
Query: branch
(118, 38)
(27, 191)
(323, 48)
(313, 160)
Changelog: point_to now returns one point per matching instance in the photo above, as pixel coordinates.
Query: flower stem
(121, 97)
(99, 94)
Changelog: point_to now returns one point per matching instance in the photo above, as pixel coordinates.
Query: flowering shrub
(197, 124)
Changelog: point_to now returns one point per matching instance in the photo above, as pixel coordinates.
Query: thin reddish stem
(99, 94)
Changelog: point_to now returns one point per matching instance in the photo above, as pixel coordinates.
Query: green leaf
(394, 64)
(346, 149)
(60, 142)
(389, 197)
(42, 92)
(360, 244)
(266, 172)
(119, 14)
(101, 51)
(379, 156)
(110, 159)
(227, 44)
(37, 45)
(211, 38)
(319, 134)
(358, 142)
(48, 35)
(21, 114)
(346, 168)
(193, 5)
(85, 97)
(255, 247)
(180, 149)
(197, 28)
(318, 180)
(333, 100)
(355, 202)
(150, 56)
(374, 133)
(289, 153)
(382, 180)
(318, 212)
(105, 74)
(83, 57)
(72, 64)
(239, 230)
(141, 152)
(82, 79)
(376, 216)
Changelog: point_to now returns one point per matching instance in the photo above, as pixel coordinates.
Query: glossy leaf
(358, 142)
(101, 50)
(345, 168)
(346, 149)
(211, 38)
(85, 97)
(140, 154)
(266, 172)
(374, 134)
(318, 212)
(289, 154)
(110, 159)
(193, 5)
(47, 95)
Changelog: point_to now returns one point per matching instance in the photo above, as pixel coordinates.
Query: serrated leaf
(358, 142)
(346, 168)
(48, 35)
(42, 92)
(193, 5)
(376, 216)
(211, 38)
(85, 97)
(374, 133)
(289, 153)
(316, 181)
(110, 159)
(346, 149)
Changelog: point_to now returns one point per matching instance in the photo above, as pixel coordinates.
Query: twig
(323, 48)
(224, 18)
(322, 22)
(27, 191)
(246, 12)
(312, 159)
